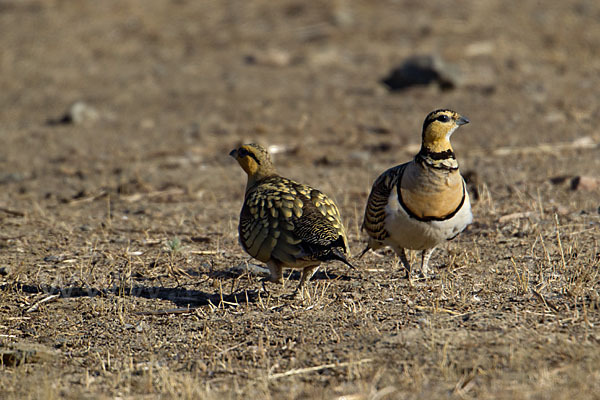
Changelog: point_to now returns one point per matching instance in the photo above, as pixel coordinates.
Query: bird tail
(340, 256)
(362, 253)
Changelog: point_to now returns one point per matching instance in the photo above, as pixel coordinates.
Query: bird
(424, 202)
(286, 224)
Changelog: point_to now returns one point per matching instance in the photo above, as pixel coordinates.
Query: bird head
(438, 126)
(254, 160)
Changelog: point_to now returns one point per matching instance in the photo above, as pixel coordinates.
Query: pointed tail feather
(340, 256)
(364, 251)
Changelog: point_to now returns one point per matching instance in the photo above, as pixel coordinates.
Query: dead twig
(517, 215)
(42, 301)
(88, 199)
(438, 309)
(227, 350)
(300, 371)
(12, 212)
(152, 195)
(548, 305)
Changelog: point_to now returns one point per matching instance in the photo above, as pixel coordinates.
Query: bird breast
(429, 192)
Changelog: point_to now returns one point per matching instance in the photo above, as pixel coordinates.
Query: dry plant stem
(42, 301)
(300, 371)
(548, 305)
(12, 212)
(522, 279)
(562, 253)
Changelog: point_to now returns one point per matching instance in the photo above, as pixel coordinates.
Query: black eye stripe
(255, 158)
(431, 119)
(243, 152)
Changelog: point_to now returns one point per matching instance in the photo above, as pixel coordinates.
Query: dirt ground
(120, 271)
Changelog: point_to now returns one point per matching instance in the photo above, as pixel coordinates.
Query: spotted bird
(286, 224)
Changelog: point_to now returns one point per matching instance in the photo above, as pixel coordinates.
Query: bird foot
(423, 276)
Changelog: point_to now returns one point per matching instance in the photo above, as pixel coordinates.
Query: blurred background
(195, 78)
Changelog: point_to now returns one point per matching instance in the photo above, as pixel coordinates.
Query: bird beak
(462, 120)
(233, 153)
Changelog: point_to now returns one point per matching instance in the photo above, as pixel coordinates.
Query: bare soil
(120, 271)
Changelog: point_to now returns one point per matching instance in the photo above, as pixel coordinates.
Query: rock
(423, 70)
(140, 326)
(79, 113)
(585, 183)
(482, 48)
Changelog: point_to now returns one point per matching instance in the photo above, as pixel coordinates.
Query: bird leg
(425, 255)
(276, 271)
(275, 274)
(307, 273)
(401, 253)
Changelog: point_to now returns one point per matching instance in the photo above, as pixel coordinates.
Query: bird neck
(438, 155)
(259, 175)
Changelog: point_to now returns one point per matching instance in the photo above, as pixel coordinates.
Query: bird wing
(280, 219)
(322, 213)
(374, 220)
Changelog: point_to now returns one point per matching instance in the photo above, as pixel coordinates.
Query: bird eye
(242, 152)
(443, 118)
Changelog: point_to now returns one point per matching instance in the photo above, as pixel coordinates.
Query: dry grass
(120, 271)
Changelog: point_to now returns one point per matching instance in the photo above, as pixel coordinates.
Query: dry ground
(111, 223)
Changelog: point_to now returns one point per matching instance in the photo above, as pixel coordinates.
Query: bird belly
(410, 233)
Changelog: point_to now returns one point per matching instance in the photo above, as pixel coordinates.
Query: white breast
(410, 233)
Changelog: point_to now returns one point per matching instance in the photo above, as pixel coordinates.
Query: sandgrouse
(286, 224)
(422, 203)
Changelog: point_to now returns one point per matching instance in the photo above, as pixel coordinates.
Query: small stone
(79, 113)
(482, 48)
(139, 327)
(585, 183)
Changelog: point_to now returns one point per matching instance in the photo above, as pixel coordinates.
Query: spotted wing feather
(290, 222)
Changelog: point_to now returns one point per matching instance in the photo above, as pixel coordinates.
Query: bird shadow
(178, 296)
(293, 275)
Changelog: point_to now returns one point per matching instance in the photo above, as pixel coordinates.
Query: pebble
(79, 113)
